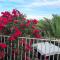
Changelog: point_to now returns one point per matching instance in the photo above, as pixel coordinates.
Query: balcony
(25, 48)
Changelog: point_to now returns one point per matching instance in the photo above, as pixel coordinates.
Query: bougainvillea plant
(16, 25)
(15, 22)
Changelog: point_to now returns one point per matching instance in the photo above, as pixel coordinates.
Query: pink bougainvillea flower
(14, 11)
(16, 21)
(5, 21)
(33, 26)
(28, 24)
(18, 33)
(6, 15)
(11, 38)
(15, 35)
(36, 31)
(22, 25)
(2, 12)
(38, 36)
(35, 21)
(28, 21)
(3, 45)
(1, 26)
(28, 47)
(10, 19)
(18, 13)
(16, 28)
(1, 20)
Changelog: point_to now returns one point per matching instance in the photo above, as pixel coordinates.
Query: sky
(32, 8)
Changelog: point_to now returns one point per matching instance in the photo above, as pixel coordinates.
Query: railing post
(11, 52)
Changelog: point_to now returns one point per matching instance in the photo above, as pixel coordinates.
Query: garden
(17, 34)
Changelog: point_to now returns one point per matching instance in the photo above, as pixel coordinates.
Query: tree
(51, 26)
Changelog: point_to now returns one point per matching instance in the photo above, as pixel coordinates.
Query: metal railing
(25, 48)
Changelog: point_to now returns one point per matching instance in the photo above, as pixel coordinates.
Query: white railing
(25, 48)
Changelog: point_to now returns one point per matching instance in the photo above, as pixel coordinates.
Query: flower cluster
(16, 25)
(2, 45)
(27, 45)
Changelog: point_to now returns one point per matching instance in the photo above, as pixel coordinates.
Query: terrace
(40, 49)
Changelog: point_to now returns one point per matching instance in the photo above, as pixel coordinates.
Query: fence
(25, 48)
